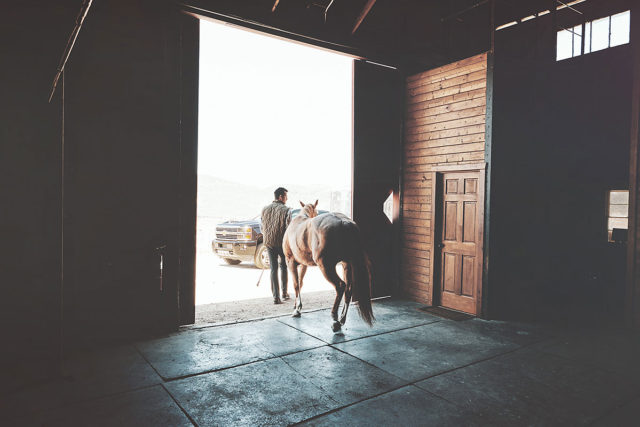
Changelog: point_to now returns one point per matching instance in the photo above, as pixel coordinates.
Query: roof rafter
(363, 14)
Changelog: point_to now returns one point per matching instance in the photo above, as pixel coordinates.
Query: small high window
(617, 213)
(569, 43)
(599, 34)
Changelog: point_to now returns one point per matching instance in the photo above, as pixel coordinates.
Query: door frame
(187, 101)
(437, 172)
(188, 50)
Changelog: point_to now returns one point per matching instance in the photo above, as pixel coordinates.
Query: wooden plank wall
(445, 125)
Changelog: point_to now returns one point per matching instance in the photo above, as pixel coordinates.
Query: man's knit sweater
(275, 218)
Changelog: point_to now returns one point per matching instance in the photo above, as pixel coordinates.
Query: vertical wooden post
(188, 101)
(488, 148)
(62, 333)
(632, 294)
(554, 27)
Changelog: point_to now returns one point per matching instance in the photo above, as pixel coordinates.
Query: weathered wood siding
(445, 125)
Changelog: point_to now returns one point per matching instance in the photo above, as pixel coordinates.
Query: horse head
(310, 209)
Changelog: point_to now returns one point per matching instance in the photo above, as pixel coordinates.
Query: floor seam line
(367, 336)
(304, 332)
(210, 371)
(415, 383)
(475, 362)
(306, 378)
(148, 362)
(410, 383)
(368, 363)
(184, 411)
(355, 403)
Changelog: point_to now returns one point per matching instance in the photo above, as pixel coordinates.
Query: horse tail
(360, 278)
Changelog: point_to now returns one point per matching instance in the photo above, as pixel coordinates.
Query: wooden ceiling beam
(84, 9)
(363, 14)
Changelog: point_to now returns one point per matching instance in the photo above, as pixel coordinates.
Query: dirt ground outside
(259, 308)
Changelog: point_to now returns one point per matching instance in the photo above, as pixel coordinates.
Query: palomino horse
(326, 240)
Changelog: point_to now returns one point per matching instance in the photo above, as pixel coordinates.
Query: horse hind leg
(329, 272)
(298, 302)
(303, 271)
(347, 293)
(293, 268)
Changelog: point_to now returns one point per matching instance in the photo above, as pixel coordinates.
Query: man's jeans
(274, 254)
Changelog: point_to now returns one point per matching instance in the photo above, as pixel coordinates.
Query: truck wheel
(261, 258)
(232, 261)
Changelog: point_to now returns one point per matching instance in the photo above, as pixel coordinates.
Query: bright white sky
(264, 101)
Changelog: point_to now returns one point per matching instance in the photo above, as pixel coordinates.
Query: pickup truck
(238, 241)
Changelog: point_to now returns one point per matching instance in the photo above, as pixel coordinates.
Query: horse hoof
(336, 326)
(296, 313)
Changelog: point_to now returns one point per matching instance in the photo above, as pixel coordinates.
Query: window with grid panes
(598, 34)
(617, 211)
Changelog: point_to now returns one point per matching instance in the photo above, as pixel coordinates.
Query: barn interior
(99, 155)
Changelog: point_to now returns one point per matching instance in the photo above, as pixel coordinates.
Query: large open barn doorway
(272, 114)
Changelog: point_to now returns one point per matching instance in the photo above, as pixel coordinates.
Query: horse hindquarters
(351, 251)
(328, 269)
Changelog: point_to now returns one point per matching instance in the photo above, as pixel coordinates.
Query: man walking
(275, 218)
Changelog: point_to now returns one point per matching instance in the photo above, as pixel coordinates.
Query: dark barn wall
(377, 129)
(122, 176)
(33, 34)
(560, 141)
(632, 293)
(123, 171)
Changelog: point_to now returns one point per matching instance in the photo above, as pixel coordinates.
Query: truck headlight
(247, 233)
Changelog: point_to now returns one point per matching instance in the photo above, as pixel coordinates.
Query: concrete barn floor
(411, 368)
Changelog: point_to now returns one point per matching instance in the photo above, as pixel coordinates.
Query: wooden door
(460, 240)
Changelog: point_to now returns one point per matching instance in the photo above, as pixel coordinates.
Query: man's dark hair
(279, 192)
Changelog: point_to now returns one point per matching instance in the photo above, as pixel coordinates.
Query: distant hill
(225, 199)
